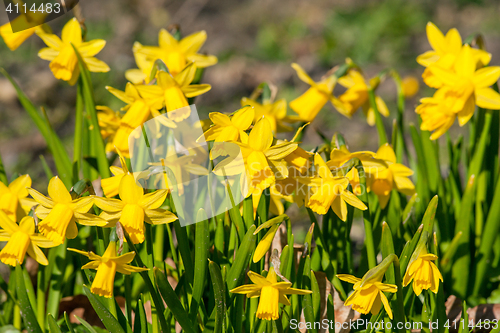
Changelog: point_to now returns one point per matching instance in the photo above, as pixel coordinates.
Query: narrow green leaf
(3, 175)
(219, 295)
(243, 257)
(88, 99)
(61, 157)
(106, 317)
(86, 324)
(173, 302)
(140, 323)
(462, 259)
(27, 313)
(202, 240)
(53, 327)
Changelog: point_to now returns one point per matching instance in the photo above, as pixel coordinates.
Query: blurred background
(255, 41)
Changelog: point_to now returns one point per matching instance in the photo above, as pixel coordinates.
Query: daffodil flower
(340, 156)
(106, 267)
(436, 113)
(275, 112)
(308, 105)
(423, 272)
(356, 97)
(270, 291)
(174, 91)
(13, 198)
(134, 208)
(445, 52)
(395, 176)
(368, 295)
(329, 191)
(111, 185)
(262, 158)
(175, 54)
(467, 87)
(60, 212)
(21, 239)
(62, 56)
(139, 108)
(232, 128)
(26, 24)
(180, 167)
(109, 123)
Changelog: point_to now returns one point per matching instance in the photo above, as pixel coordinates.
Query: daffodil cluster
(462, 78)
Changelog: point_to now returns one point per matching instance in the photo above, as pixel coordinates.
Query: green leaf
(86, 324)
(53, 327)
(410, 246)
(462, 259)
(242, 258)
(140, 323)
(55, 145)
(219, 295)
(106, 317)
(202, 240)
(27, 313)
(95, 134)
(173, 302)
(3, 175)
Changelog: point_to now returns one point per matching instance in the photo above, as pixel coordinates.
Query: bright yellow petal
(243, 118)
(386, 153)
(91, 48)
(301, 73)
(95, 65)
(58, 192)
(436, 38)
(72, 33)
(487, 98)
(153, 200)
(261, 136)
(265, 244)
(130, 192)
(353, 200)
(194, 90)
(486, 76)
(109, 205)
(193, 42)
(19, 186)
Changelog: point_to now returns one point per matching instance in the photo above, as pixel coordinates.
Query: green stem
(478, 157)
(40, 294)
(382, 135)
(78, 139)
(157, 301)
(399, 315)
(370, 246)
(3, 175)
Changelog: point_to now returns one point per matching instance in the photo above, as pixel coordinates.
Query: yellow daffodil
(139, 108)
(410, 86)
(62, 56)
(174, 90)
(395, 176)
(275, 112)
(25, 25)
(265, 243)
(270, 291)
(308, 105)
(445, 52)
(21, 239)
(111, 185)
(467, 87)
(232, 128)
(60, 212)
(368, 295)
(134, 208)
(175, 54)
(423, 272)
(106, 267)
(13, 198)
(180, 167)
(263, 159)
(340, 156)
(436, 113)
(328, 191)
(109, 123)
(356, 97)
